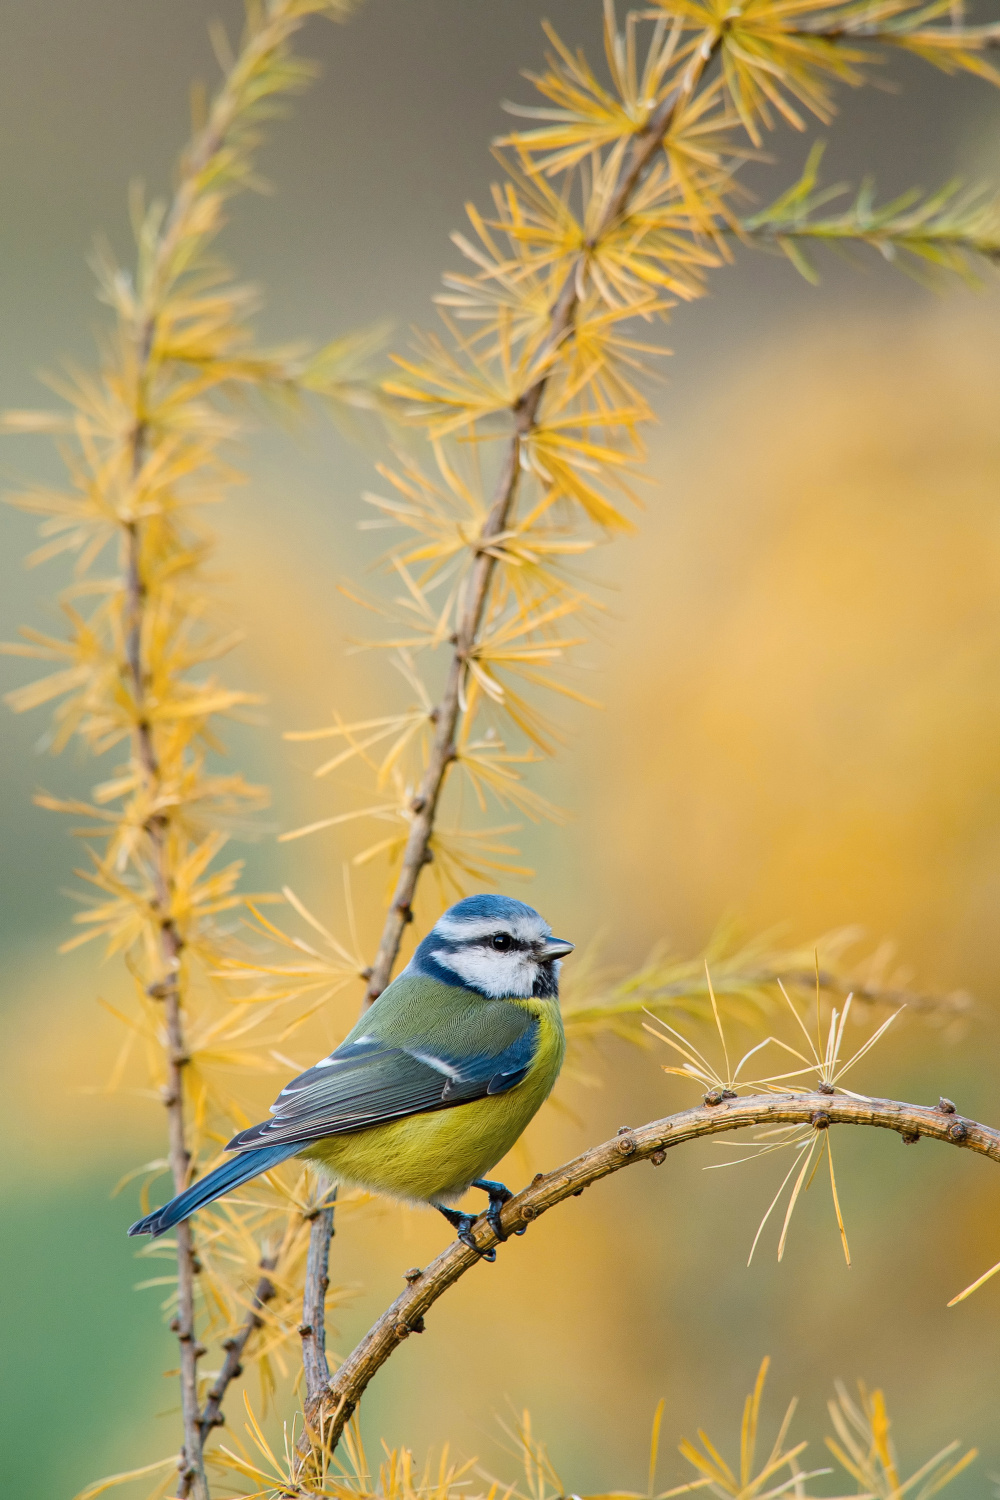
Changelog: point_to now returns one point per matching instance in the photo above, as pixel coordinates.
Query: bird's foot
(463, 1224)
(499, 1195)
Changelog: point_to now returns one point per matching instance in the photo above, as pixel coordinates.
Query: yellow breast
(433, 1157)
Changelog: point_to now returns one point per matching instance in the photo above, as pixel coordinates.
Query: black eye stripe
(509, 943)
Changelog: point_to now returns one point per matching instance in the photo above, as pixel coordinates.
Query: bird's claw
(466, 1236)
(493, 1219)
(499, 1195)
(464, 1223)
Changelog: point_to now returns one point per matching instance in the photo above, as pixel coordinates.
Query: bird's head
(495, 945)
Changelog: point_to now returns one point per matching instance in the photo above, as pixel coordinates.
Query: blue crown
(488, 907)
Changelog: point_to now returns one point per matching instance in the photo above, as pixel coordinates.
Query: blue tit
(433, 1085)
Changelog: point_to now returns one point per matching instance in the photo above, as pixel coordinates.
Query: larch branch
(270, 30)
(947, 38)
(883, 237)
(329, 1415)
(235, 1347)
(954, 1003)
(167, 988)
(447, 713)
(313, 1327)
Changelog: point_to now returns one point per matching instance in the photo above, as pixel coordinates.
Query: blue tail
(231, 1174)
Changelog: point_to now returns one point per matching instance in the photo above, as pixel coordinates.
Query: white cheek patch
(496, 974)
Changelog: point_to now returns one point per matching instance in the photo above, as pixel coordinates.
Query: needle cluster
(861, 1445)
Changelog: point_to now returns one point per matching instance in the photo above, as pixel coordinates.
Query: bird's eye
(501, 941)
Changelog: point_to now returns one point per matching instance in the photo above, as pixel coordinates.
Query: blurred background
(801, 725)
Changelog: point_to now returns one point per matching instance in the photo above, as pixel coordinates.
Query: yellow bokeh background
(799, 673)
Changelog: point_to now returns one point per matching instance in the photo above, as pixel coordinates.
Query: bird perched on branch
(434, 1084)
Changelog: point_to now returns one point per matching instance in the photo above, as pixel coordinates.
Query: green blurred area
(799, 672)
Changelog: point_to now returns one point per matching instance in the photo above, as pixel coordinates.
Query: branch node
(958, 1131)
(712, 1098)
(625, 1144)
(658, 1158)
(527, 1212)
(819, 1120)
(945, 1106)
(412, 1275)
(825, 1088)
(909, 1137)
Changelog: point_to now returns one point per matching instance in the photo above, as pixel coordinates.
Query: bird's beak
(556, 948)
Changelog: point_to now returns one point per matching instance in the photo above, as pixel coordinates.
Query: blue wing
(229, 1175)
(369, 1081)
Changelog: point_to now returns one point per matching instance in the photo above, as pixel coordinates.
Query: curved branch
(329, 1414)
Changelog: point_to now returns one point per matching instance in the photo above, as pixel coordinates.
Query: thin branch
(445, 716)
(946, 38)
(167, 988)
(447, 713)
(269, 33)
(923, 1002)
(232, 1368)
(949, 230)
(333, 1410)
(885, 238)
(313, 1326)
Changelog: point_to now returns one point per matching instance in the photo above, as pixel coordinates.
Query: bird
(435, 1082)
